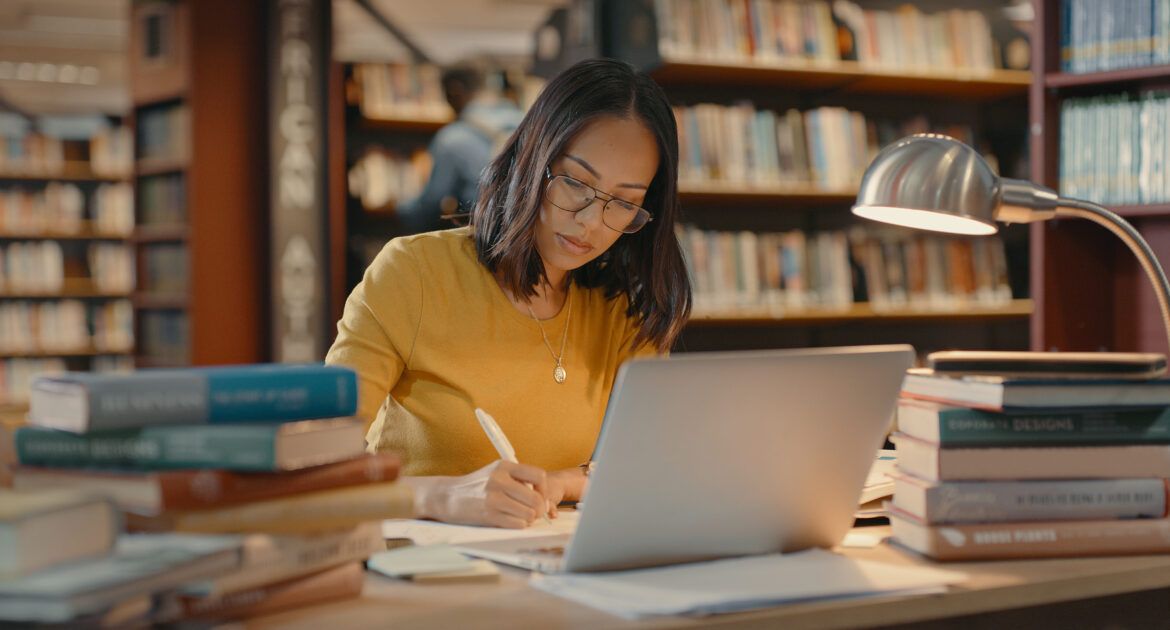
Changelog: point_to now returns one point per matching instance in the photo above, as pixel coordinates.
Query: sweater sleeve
(377, 330)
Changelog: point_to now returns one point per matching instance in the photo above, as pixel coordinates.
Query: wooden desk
(1053, 594)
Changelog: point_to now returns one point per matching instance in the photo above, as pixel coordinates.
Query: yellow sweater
(429, 326)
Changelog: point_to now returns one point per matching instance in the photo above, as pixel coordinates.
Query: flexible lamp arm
(1025, 202)
(1130, 236)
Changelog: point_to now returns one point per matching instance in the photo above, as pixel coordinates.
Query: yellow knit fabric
(429, 326)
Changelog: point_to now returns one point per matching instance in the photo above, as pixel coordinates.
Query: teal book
(962, 426)
(240, 447)
(84, 401)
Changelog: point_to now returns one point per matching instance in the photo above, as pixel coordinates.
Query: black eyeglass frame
(597, 194)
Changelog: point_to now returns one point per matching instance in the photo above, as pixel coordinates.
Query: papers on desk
(435, 533)
(739, 584)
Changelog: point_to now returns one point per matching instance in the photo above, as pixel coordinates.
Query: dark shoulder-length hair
(647, 267)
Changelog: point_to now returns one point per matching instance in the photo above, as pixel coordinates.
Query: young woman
(570, 266)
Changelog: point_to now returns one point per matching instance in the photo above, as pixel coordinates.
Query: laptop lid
(708, 455)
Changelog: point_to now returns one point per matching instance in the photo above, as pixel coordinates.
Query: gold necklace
(559, 374)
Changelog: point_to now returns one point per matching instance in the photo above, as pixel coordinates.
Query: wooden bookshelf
(849, 77)
(1016, 309)
(1111, 78)
(159, 301)
(161, 233)
(74, 290)
(984, 100)
(87, 232)
(1089, 291)
(731, 193)
(73, 172)
(404, 124)
(211, 63)
(83, 352)
(163, 166)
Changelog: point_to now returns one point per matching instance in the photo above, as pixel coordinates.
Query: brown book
(1038, 539)
(342, 582)
(152, 493)
(321, 511)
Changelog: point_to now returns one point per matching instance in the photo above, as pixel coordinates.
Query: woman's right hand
(501, 494)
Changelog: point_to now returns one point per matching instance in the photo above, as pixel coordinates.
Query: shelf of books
(1101, 107)
(197, 141)
(840, 46)
(780, 107)
(66, 262)
(863, 312)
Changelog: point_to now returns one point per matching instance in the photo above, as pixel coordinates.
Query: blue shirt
(459, 153)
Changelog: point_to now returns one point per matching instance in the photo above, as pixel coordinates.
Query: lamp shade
(931, 182)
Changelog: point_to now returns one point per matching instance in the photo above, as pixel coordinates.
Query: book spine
(217, 488)
(1008, 501)
(972, 427)
(1050, 539)
(293, 393)
(927, 461)
(154, 448)
(334, 584)
(270, 559)
(319, 511)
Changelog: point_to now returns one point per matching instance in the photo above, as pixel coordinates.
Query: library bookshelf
(990, 100)
(197, 89)
(65, 253)
(1089, 291)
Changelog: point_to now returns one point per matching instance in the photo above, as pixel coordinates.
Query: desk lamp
(934, 182)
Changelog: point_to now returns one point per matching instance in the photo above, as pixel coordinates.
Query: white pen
(500, 441)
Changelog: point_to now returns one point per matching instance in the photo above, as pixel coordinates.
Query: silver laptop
(709, 455)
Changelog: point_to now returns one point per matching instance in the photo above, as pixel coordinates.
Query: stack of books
(265, 455)
(993, 467)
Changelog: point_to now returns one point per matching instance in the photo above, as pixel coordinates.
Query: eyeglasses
(572, 195)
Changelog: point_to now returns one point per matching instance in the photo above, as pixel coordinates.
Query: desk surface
(510, 603)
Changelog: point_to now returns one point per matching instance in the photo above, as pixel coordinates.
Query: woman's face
(616, 156)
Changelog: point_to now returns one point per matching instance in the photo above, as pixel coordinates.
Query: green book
(960, 426)
(245, 447)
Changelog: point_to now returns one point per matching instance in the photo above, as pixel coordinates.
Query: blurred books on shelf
(821, 33)
(1134, 131)
(400, 91)
(1101, 36)
(781, 273)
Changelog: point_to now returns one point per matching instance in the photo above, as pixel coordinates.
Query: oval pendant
(559, 374)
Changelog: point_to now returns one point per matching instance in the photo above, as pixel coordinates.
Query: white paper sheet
(435, 533)
(741, 584)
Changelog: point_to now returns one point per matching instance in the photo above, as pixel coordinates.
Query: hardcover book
(1041, 500)
(82, 401)
(999, 393)
(140, 564)
(151, 493)
(39, 530)
(241, 447)
(1042, 539)
(962, 426)
(928, 461)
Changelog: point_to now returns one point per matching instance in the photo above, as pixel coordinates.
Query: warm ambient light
(926, 220)
(934, 182)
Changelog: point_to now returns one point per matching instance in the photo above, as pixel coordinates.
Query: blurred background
(204, 181)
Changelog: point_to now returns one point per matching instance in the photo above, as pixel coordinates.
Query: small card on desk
(432, 563)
